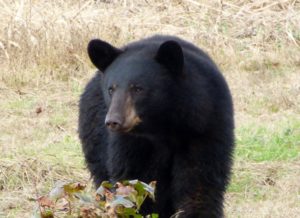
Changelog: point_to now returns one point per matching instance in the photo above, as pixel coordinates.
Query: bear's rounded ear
(170, 55)
(102, 54)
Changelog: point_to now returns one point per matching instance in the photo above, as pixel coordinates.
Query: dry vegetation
(44, 67)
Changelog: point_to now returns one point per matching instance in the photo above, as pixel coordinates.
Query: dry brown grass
(275, 187)
(44, 65)
(247, 35)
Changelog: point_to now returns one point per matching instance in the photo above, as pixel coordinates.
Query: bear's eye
(111, 90)
(136, 89)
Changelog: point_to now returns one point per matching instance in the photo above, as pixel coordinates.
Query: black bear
(159, 110)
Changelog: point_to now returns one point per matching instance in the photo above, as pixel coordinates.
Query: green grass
(66, 152)
(262, 152)
(279, 141)
(17, 106)
(59, 119)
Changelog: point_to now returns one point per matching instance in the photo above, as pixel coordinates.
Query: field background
(44, 67)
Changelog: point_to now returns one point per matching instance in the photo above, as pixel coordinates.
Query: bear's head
(138, 83)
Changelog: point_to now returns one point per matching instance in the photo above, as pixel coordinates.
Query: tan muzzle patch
(131, 117)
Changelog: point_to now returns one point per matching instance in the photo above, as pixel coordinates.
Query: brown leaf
(125, 190)
(108, 195)
(45, 202)
(38, 110)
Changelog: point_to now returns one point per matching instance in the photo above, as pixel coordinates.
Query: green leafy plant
(123, 199)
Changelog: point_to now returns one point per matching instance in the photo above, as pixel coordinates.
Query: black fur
(186, 138)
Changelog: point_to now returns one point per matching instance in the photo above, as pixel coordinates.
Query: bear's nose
(113, 124)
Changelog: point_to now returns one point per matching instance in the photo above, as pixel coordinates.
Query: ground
(44, 68)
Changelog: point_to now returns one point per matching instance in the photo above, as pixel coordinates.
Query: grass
(44, 68)
(279, 141)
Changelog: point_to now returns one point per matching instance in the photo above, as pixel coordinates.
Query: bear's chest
(135, 158)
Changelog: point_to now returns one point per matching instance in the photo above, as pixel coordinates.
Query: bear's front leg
(198, 187)
(199, 202)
